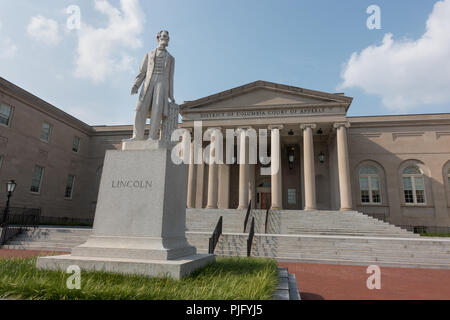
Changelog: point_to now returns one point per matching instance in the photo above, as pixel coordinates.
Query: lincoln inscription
(132, 184)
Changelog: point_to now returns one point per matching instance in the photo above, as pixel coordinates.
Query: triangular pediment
(262, 94)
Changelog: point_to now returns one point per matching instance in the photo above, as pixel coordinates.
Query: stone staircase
(348, 223)
(304, 236)
(287, 288)
(56, 239)
(383, 251)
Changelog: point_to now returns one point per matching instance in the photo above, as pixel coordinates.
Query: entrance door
(265, 200)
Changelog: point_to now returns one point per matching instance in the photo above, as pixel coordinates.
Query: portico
(305, 133)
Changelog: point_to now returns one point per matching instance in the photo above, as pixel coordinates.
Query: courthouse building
(392, 167)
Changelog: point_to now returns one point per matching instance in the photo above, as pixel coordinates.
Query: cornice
(10, 89)
(326, 97)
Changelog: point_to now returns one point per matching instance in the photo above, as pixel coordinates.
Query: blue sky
(223, 44)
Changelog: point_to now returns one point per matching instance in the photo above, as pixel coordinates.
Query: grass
(444, 235)
(226, 279)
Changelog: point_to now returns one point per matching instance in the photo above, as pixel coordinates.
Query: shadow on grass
(237, 266)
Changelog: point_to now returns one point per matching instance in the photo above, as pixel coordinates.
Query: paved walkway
(338, 282)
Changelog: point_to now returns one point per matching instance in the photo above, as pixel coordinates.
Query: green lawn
(435, 235)
(226, 279)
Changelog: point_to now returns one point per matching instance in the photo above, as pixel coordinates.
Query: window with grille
(413, 186)
(46, 131)
(76, 144)
(36, 181)
(292, 196)
(69, 186)
(448, 178)
(369, 184)
(5, 114)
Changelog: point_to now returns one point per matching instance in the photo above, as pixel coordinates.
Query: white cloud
(44, 30)
(8, 49)
(407, 73)
(103, 51)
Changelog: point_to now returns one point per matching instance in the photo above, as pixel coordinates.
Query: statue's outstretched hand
(134, 90)
(172, 100)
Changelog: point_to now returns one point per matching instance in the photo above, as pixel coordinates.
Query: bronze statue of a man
(156, 73)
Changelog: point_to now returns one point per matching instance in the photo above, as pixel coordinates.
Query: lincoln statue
(156, 74)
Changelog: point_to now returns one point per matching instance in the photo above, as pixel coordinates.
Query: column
(243, 169)
(344, 166)
(252, 185)
(224, 186)
(213, 171)
(309, 170)
(199, 193)
(277, 196)
(192, 177)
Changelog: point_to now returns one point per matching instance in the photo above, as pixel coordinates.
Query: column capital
(275, 126)
(243, 129)
(214, 129)
(337, 125)
(303, 126)
(211, 130)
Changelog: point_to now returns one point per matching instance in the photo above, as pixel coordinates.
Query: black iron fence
(64, 221)
(251, 235)
(247, 215)
(16, 220)
(266, 223)
(215, 236)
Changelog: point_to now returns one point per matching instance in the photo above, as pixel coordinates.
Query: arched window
(369, 185)
(413, 185)
(448, 177)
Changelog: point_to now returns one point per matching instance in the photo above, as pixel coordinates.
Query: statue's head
(163, 38)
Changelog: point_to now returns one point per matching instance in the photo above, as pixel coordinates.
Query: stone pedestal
(140, 220)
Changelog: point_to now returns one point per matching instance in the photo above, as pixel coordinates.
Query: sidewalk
(339, 282)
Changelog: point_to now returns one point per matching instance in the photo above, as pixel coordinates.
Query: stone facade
(326, 158)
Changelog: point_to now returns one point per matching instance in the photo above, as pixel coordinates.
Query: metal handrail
(267, 220)
(247, 215)
(215, 236)
(250, 238)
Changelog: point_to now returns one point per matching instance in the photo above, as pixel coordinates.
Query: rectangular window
(46, 131)
(376, 196)
(420, 189)
(370, 189)
(5, 114)
(76, 144)
(36, 181)
(292, 196)
(1, 161)
(69, 187)
(365, 198)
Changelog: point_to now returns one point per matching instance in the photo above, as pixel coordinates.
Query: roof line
(28, 98)
(401, 115)
(261, 83)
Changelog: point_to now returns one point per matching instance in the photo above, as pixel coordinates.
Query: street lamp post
(10, 187)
